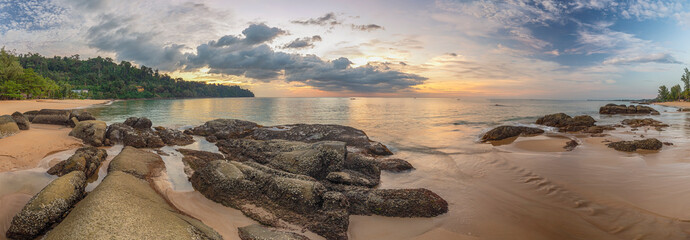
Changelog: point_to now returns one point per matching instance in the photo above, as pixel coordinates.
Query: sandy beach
(674, 104)
(8, 107)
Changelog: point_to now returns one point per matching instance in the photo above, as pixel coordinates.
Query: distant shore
(10, 106)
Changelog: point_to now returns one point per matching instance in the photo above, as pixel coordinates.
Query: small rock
(570, 145)
(138, 123)
(259, 232)
(503, 132)
(86, 159)
(21, 121)
(394, 165)
(173, 137)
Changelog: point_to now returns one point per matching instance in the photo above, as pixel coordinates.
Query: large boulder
(53, 116)
(224, 129)
(173, 137)
(92, 132)
(30, 115)
(48, 207)
(139, 163)
(566, 123)
(129, 136)
(138, 123)
(259, 232)
(394, 165)
(22, 122)
(418, 202)
(622, 109)
(7, 126)
(126, 207)
(83, 115)
(631, 146)
(503, 132)
(86, 159)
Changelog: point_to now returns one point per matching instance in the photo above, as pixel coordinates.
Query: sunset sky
(586, 49)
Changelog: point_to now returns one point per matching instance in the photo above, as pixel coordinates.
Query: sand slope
(25, 149)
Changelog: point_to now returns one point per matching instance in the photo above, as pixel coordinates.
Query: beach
(674, 104)
(9, 106)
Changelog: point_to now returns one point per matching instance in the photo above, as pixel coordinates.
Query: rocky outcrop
(22, 122)
(172, 137)
(129, 136)
(622, 109)
(86, 159)
(92, 132)
(259, 232)
(48, 207)
(7, 126)
(503, 132)
(394, 165)
(126, 207)
(646, 122)
(418, 202)
(222, 129)
(566, 123)
(53, 116)
(194, 160)
(631, 146)
(137, 162)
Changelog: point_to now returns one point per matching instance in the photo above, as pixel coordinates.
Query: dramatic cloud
(235, 56)
(304, 42)
(368, 27)
(652, 58)
(328, 19)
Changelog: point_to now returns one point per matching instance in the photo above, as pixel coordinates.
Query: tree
(663, 93)
(686, 80)
(676, 92)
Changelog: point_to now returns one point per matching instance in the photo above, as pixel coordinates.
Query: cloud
(31, 15)
(651, 58)
(259, 33)
(304, 42)
(367, 27)
(258, 61)
(650, 9)
(328, 19)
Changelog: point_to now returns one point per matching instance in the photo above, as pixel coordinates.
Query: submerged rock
(173, 137)
(86, 159)
(48, 207)
(418, 202)
(8, 126)
(90, 131)
(129, 136)
(22, 122)
(259, 232)
(394, 165)
(126, 207)
(53, 116)
(503, 132)
(565, 123)
(622, 109)
(631, 146)
(139, 163)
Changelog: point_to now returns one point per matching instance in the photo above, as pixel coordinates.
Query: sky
(540, 49)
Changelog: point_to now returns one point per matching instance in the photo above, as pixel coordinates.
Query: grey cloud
(303, 42)
(259, 33)
(328, 19)
(651, 58)
(262, 63)
(367, 27)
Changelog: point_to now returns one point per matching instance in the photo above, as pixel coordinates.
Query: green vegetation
(676, 92)
(31, 76)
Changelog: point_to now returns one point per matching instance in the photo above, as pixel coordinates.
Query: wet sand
(25, 149)
(10, 106)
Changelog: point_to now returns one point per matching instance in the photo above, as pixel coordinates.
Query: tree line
(676, 92)
(32, 76)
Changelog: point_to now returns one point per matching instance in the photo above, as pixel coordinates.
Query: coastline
(674, 104)
(9, 106)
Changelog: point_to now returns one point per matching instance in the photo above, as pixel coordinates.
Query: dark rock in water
(86, 159)
(598, 129)
(503, 132)
(91, 132)
(570, 145)
(22, 122)
(194, 160)
(138, 123)
(394, 165)
(565, 123)
(322, 132)
(259, 232)
(631, 146)
(418, 202)
(224, 129)
(7, 126)
(126, 207)
(30, 115)
(129, 136)
(53, 116)
(48, 207)
(622, 109)
(137, 162)
(173, 137)
(636, 123)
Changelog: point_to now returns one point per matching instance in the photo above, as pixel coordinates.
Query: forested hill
(104, 78)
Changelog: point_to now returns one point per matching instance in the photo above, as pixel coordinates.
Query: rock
(86, 159)
(394, 165)
(503, 132)
(173, 137)
(311, 159)
(570, 145)
(684, 109)
(322, 132)
(53, 116)
(138, 123)
(598, 129)
(360, 166)
(565, 123)
(631, 146)
(126, 207)
(84, 116)
(418, 202)
(224, 129)
(48, 207)
(22, 122)
(139, 163)
(622, 109)
(30, 115)
(7, 126)
(350, 177)
(636, 123)
(194, 160)
(90, 131)
(129, 136)
(259, 232)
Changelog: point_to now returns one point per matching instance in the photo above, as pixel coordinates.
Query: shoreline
(7, 107)
(674, 104)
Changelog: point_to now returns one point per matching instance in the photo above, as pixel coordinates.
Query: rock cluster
(623, 109)
(173, 137)
(90, 131)
(631, 146)
(636, 123)
(503, 132)
(86, 159)
(566, 123)
(137, 132)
